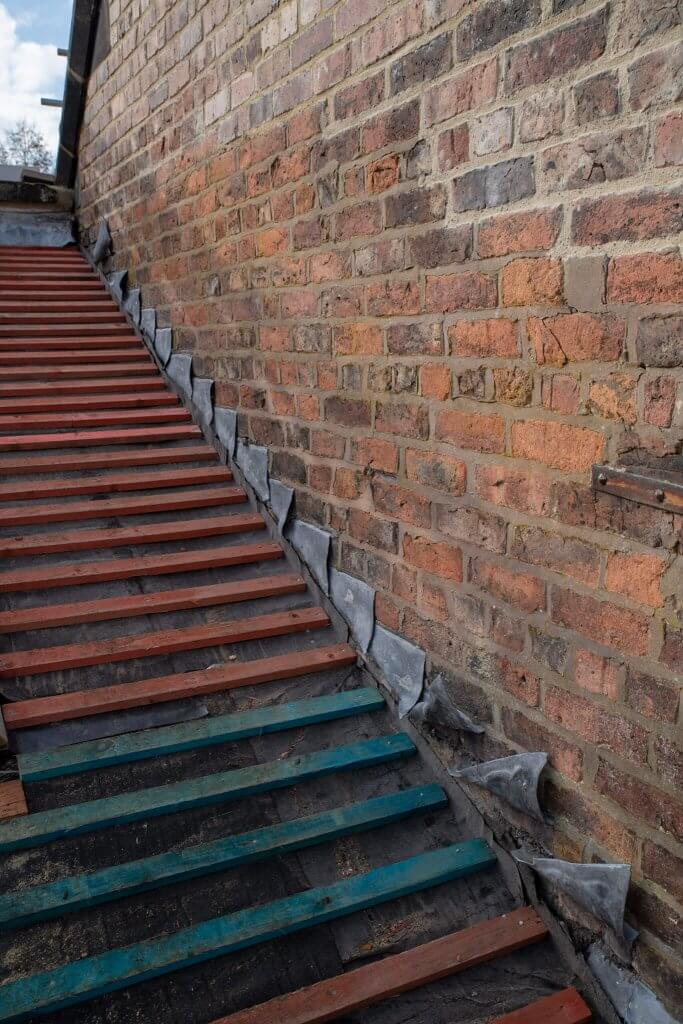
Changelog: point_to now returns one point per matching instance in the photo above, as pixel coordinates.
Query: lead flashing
(402, 665)
(515, 779)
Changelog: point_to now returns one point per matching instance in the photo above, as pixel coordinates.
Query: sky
(30, 32)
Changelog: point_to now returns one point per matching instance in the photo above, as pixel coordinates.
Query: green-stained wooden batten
(74, 820)
(120, 968)
(28, 906)
(207, 732)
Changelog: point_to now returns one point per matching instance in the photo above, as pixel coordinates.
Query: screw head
(602, 479)
(659, 495)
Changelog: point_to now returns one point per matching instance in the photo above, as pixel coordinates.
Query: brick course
(432, 253)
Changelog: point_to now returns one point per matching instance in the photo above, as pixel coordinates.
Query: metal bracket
(660, 487)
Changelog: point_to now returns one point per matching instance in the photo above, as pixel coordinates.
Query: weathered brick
(434, 557)
(360, 219)
(493, 22)
(593, 159)
(651, 697)
(645, 278)
(357, 98)
(657, 78)
(560, 393)
(471, 430)
(435, 381)
(660, 400)
(417, 207)
(380, 258)
(497, 185)
(541, 115)
(348, 412)
(441, 247)
(472, 526)
(659, 340)
(382, 174)
(614, 398)
(522, 684)
(466, 91)
(663, 867)
(556, 53)
(594, 724)
(595, 673)
(532, 282)
(396, 125)
(436, 470)
(590, 819)
(597, 97)
(453, 147)
(669, 141)
(513, 386)
(357, 339)
(400, 503)
(571, 449)
(577, 337)
(566, 555)
(484, 338)
(421, 65)
(519, 232)
(414, 339)
(371, 530)
(601, 621)
(375, 453)
(641, 800)
(470, 290)
(632, 217)
(672, 649)
(515, 488)
(531, 735)
(517, 588)
(406, 419)
(393, 298)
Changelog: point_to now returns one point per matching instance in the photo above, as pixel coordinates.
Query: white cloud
(27, 72)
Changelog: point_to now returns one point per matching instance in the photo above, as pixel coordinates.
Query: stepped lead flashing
(437, 709)
(514, 779)
(281, 498)
(253, 461)
(163, 344)
(179, 369)
(225, 425)
(402, 665)
(313, 544)
(202, 399)
(356, 602)
(103, 244)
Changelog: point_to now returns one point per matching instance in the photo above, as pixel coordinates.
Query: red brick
(432, 600)
(357, 98)
(330, 266)
(484, 338)
(375, 454)
(656, 78)
(393, 298)
(577, 337)
(660, 401)
(591, 820)
(397, 125)
(320, 478)
(382, 174)
(371, 530)
(560, 392)
(387, 612)
(566, 555)
(348, 483)
(669, 141)
(515, 488)
(532, 282)
(361, 219)
(471, 430)
(433, 469)
(441, 247)
(513, 386)
(651, 697)
(664, 868)
(472, 526)
(571, 449)
(510, 585)
(357, 339)
(555, 53)
(414, 339)
(519, 232)
(614, 398)
(327, 444)
(348, 412)
(632, 217)
(275, 339)
(601, 621)
(594, 724)
(507, 630)
(435, 381)
(564, 757)
(272, 241)
(657, 808)
(597, 674)
(408, 420)
(672, 649)
(521, 683)
(433, 557)
(467, 91)
(669, 761)
(646, 277)
(637, 577)
(468, 290)
(380, 258)
(400, 503)
(420, 206)
(453, 147)
(308, 407)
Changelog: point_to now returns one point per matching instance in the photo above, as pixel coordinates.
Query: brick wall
(432, 252)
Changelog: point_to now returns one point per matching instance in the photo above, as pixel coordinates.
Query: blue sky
(30, 32)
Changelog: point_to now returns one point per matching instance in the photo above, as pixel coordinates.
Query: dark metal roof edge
(79, 63)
